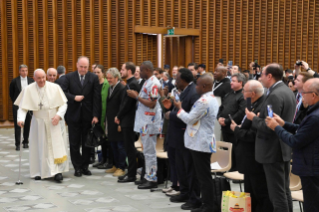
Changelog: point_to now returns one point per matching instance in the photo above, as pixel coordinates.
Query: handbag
(95, 137)
(235, 201)
(220, 184)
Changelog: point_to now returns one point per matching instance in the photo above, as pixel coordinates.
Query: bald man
(83, 90)
(48, 149)
(52, 74)
(304, 140)
(221, 84)
(255, 179)
(198, 136)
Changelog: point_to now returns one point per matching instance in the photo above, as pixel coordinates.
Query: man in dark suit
(221, 84)
(189, 185)
(255, 179)
(115, 134)
(167, 82)
(16, 86)
(61, 75)
(125, 118)
(83, 92)
(270, 150)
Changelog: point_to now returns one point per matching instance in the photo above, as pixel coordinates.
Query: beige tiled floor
(97, 193)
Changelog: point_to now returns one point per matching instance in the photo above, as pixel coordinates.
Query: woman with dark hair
(291, 85)
(100, 72)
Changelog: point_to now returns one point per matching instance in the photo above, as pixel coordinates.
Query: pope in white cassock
(48, 147)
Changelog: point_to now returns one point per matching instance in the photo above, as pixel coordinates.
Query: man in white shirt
(16, 86)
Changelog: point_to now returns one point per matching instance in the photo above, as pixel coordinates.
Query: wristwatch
(308, 69)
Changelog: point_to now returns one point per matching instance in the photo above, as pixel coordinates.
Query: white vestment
(48, 154)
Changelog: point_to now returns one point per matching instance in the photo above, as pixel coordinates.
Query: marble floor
(97, 193)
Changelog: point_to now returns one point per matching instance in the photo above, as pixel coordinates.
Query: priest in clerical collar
(48, 147)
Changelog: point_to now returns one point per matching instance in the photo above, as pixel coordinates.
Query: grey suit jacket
(269, 148)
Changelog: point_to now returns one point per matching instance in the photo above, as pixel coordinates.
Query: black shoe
(140, 182)
(178, 198)
(78, 173)
(122, 177)
(25, 146)
(98, 163)
(203, 208)
(58, 177)
(37, 178)
(18, 148)
(127, 179)
(86, 171)
(189, 206)
(147, 185)
(105, 166)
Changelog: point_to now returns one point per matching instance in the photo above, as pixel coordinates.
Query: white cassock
(48, 153)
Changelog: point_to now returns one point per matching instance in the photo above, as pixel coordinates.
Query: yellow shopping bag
(235, 201)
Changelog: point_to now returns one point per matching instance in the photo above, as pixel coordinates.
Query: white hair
(256, 87)
(38, 69)
(114, 72)
(52, 69)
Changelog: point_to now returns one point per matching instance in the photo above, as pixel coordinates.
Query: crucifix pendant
(40, 105)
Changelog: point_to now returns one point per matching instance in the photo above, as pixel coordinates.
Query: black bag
(95, 137)
(220, 184)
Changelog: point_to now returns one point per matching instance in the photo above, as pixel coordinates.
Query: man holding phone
(270, 150)
(255, 179)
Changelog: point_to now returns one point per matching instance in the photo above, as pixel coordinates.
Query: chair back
(295, 182)
(222, 156)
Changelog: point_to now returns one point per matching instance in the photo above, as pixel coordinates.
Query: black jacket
(176, 126)
(245, 147)
(269, 148)
(90, 106)
(126, 113)
(113, 103)
(15, 88)
(60, 80)
(233, 104)
(222, 88)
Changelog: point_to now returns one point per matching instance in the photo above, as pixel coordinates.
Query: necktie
(111, 91)
(82, 79)
(297, 108)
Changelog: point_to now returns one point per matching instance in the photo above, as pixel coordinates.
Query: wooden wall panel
(48, 33)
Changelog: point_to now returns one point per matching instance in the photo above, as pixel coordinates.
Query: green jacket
(104, 93)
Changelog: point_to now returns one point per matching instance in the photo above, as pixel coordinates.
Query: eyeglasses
(303, 93)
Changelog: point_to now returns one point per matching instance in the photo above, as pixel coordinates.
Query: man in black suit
(16, 86)
(270, 150)
(189, 185)
(125, 118)
(61, 75)
(255, 179)
(221, 84)
(83, 92)
(115, 134)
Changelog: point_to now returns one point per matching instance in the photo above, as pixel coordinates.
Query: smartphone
(248, 102)
(270, 111)
(230, 63)
(231, 118)
(128, 86)
(176, 97)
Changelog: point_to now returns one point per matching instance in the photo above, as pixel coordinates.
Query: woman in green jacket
(99, 71)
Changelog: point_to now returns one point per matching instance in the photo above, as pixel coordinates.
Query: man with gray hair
(16, 86)
(148, 121)
(255, 179)
(61, 74)
(232, 107)
(52, 74)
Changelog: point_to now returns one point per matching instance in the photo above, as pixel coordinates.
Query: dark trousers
(310, 188)
(107, 152)
(256, 185)
(17, 129)
(189, 185)
(119, 154)
(172, 165)
(77, 135)
(230, 137)
(203, 174)
(129, 139)
(277, 176)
